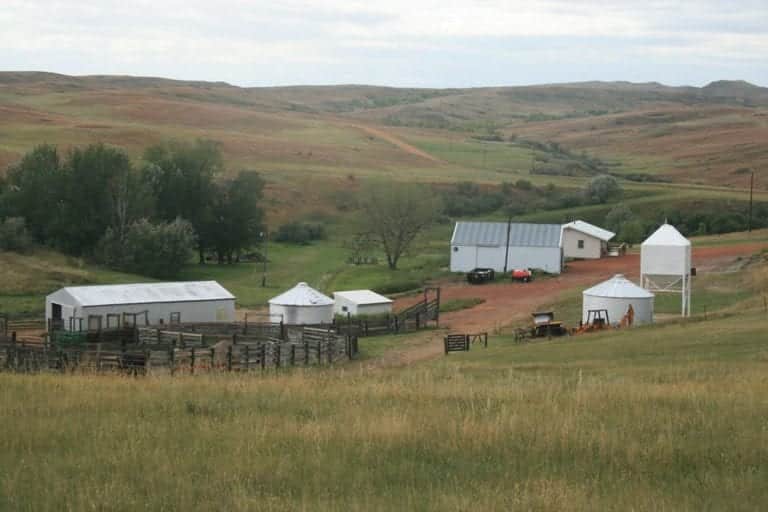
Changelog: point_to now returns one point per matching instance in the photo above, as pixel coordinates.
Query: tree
(395, 214)
(34, 191)
(618, 216)
(632, 231)
(602, 189)
(236, 219)
(181, 177)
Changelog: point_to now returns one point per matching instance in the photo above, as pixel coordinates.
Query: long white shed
(76, 308)
(506, 246)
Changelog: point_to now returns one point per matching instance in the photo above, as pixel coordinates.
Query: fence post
(331, 345)
(466, 342)
(247, 357)
(263, 355)
(192, 362)
(319, 357)
(245, 326)
(445, 344)
(277, 355)
(306, 352)
(229, 358)
(171, 358)
(293, 355)
(213, 357)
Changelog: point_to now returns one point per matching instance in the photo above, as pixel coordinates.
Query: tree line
(145, 217)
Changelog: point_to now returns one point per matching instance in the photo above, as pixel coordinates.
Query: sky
(415, 43)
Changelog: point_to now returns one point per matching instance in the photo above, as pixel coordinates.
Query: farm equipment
(481, 275)
(523, 275)
(544, 325)
(597, 320)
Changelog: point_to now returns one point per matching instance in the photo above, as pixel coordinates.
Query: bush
(301, 233)
(14, 235)
(397, 287)
(156, 250)
(602, 189)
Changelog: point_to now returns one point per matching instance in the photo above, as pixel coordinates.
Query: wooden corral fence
(463, 342)
(140, 350)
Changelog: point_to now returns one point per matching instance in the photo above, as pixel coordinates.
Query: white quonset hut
(301, 305)
(505, 246)
(585, 241)
(665, 264)
(361, 302)
(102, 306)
(616, 295)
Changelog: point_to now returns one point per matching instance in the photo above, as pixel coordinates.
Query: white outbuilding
(361, 302)
(301, 305)
(583, 240)
(506, 246)
(665, 264)
(615, 296)
(75, 308)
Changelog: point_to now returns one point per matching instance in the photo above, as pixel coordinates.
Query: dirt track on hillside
(509, 303)
(395, 141)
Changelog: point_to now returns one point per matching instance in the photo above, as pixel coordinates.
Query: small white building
(301, 305)
(616, 295)
(77, 308)
(505, 246)
(583, 240)
(665, 264)
(361, 302)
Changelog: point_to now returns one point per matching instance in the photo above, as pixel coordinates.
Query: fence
(463, 342)
(140, 350)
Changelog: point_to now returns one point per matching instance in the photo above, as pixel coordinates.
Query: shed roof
(494, 234)
(301, 295)
(667, 235)
(362, 297)
(590, 229)
(147, 293)
(618, 287)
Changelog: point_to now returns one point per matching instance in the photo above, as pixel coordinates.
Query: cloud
(329, 41)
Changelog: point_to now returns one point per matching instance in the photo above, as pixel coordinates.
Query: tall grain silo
(665, 265)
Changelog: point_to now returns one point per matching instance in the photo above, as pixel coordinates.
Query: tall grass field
(669, 417)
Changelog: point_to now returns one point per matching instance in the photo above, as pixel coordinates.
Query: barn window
(455, 249)
(581, 244)
(175, 318)
(344, 308)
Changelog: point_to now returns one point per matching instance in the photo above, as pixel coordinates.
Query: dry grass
(666, 418)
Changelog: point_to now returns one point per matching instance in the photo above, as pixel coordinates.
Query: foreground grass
(663, 418)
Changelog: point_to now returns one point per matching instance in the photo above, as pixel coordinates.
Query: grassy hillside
(668, 417)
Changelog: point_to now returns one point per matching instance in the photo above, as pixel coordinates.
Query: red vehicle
(522, 274)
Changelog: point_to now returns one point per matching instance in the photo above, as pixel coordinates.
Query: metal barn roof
(590, 229)
(618, 287)
(362, 297)
(146, 293)
(667, 235)
(494, 234)
(301, 295)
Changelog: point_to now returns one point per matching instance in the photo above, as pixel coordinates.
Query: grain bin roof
(363, 297)
(667, 235)
(590, 229)
(147, 293)
(619, 287)
(494, 234)
(301, 295)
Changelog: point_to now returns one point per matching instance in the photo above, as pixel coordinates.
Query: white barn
(301, 305)
(583, 240)
(101, 306)
(506, 246)
(361, 302)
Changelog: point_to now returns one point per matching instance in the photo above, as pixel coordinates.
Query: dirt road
(513, 302)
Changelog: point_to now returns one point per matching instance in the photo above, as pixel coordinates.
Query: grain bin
(301, 305)
(616, 295)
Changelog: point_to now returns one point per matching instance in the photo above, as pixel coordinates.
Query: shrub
(397, 287)
(301, 233)
(602, 189)
(156, 250)
(14, 235)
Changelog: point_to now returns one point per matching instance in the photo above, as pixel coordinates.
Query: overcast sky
(423, 43)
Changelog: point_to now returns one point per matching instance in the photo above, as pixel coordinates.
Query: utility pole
(265, 238)
(506, 250)
(751, 187)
